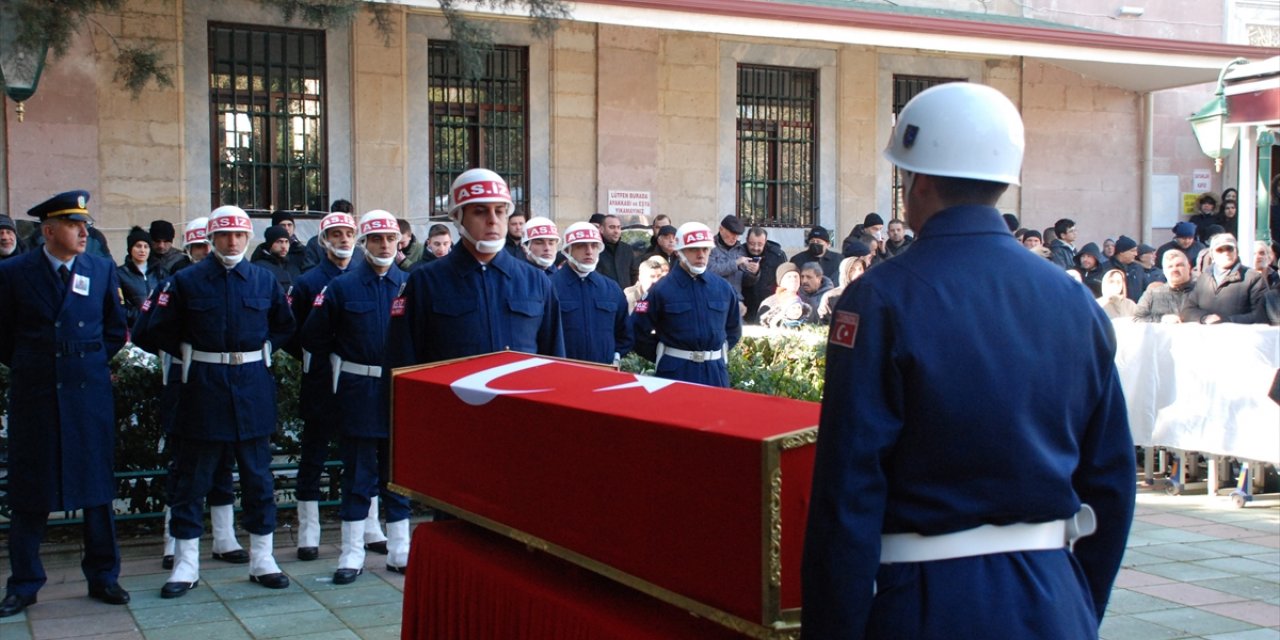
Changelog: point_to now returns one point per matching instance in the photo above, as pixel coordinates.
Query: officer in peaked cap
(60, 323)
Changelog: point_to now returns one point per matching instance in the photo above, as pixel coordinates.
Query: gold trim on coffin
(786, 625)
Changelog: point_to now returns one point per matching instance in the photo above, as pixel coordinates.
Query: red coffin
(693, 494)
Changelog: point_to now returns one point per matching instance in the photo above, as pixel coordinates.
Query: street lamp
(20, 65)
(1209, 123)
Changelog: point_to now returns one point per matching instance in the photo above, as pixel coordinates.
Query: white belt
(987, 539)
(362, 369)
(338, 366)
(691, 356)
(230, 357)
(233, 358)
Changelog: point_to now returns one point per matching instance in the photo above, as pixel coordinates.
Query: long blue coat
(62, 429)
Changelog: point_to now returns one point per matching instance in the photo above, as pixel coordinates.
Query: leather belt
(692, 356)
(230, 357)
(361, 369)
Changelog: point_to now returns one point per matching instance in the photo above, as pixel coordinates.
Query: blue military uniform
(593, 312)
(315, 397)
(226, 406)
(456, 307)
(350, 321)
(690, 313)
(925, 430)
(57, 337)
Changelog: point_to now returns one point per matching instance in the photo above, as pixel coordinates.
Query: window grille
(267, 120)
(478, 122)
(777, 145)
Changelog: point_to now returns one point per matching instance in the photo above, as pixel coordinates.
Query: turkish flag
(844, 331)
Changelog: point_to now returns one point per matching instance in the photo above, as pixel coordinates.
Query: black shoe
(167, 562)
(111, 594)
(346, 576)
(376, 547)
(271, 580)
(177, 589)
(13, 604)
(395, 569)
(239, 556)
(307, 554)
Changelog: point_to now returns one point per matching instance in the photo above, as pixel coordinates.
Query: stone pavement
(1196, 568)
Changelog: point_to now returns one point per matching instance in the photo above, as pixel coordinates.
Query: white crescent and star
(475, 389)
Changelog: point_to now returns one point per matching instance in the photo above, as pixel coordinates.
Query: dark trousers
(101, 562)
(197, 463)
(223, 491)
(317, 434)
(365, 469)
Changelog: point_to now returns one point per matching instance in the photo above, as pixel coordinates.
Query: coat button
(57, 325)
(81, 323)
(59, 385)
(81, 385)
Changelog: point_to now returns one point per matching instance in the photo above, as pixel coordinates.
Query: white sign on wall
(1200, 180)
(630, 203)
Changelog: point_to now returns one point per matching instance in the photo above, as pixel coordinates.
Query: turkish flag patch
(319, 301)
(397, 307)
(642, 306)
(146, 305)
(163, 300)
(844, 330)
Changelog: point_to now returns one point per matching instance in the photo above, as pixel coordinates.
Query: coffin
(692, 494)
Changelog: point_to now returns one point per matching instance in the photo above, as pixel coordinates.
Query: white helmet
(477, 185)
(579, 232)
(539, 227)
(197, 232)
(959, 130)
(229, 218)
(378, 221)
(335, 220)
(692, 235)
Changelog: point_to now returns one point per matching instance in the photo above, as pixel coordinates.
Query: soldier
(222, 497)
(348, 327)
(916, 379)
(60, 324)
(593, 310)
(477, 299)
(319, 412)
(540, 241)
(223, 317)
(690, 320)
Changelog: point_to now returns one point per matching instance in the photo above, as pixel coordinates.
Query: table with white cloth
(1201, 388)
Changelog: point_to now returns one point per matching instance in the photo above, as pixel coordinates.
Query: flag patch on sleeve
(844, 329)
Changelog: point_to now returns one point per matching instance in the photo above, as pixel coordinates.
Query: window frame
(772, 128)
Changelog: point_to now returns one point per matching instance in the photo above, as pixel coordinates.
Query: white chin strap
(229, 261)
(483, 246)
(582, 269)
(381, 262)
(697, 271)
(539, 260)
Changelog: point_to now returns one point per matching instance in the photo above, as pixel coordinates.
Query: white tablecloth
(1201, 388)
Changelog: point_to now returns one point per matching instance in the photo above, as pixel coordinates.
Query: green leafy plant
(789, 364)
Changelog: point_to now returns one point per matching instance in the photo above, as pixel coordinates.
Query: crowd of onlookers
(1199, 275)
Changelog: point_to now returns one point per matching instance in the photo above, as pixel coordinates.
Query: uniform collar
(55, 263)
(463, 262)
(965, 220)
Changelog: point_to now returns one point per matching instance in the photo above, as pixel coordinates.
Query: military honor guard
(60, 324)
(348, 328)
(593, 310)
(477, 299)
(223, 317)
(690, 319)
(541, 238)
(320, 427)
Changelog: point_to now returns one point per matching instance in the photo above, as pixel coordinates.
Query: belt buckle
(698, 356)
(237, 357)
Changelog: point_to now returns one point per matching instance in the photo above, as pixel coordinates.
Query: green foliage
(136, 66)
(472, 40)
(135, 378)
(287, 371)
(789, 364)
(54, 21)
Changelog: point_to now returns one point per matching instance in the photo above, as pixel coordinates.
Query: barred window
(904, 89)
(266, 106)
(777, 145)
(478, 122)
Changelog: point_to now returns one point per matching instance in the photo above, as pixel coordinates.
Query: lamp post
(1209, 124)
(20, 64)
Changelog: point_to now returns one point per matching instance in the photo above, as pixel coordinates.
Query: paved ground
(1196, 568)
